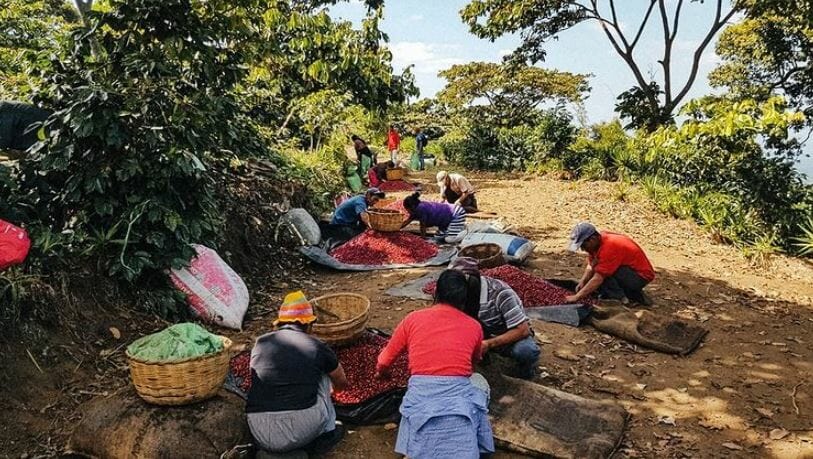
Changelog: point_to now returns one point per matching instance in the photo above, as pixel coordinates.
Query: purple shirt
(434, 214)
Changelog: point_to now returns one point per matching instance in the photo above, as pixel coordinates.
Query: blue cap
(580, 233)
(375, 192)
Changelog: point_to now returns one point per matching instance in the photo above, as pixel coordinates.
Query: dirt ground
(746, 392)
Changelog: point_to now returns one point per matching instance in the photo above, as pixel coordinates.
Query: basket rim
(227, 343)
(382, 211)
(484, 244)
(343, 322)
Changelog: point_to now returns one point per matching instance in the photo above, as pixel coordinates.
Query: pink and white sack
(215, 292)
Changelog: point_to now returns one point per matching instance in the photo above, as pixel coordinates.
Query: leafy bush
(143, 117)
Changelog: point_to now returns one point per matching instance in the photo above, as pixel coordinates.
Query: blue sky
(431, 36)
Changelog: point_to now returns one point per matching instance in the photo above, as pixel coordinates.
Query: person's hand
(485, 346)
(382, 373)
(571, 298)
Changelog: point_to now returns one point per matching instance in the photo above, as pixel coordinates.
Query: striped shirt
(500, 307)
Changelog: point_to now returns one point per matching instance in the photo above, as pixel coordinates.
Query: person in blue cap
(350, 219)
(617, 268)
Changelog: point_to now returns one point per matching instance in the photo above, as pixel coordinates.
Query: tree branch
(666, 63)
(643, 24)
(719, 22)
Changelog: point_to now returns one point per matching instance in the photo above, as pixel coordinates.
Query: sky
(431, 36)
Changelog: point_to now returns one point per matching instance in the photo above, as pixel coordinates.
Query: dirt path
(728, 399)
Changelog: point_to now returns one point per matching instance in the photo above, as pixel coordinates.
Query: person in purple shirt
(449, 219)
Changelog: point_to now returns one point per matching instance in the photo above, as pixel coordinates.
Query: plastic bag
(178, 342)
(14, 245)
(516, 249)
(215, 292)
(353, 180)
(304, 224)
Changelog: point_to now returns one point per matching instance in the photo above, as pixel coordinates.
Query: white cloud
(427, 58)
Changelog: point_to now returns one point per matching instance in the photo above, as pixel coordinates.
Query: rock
(390, 426)
(732, 446)
(778, 434)
(125, 426)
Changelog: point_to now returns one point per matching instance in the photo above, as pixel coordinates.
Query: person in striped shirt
(506, 328)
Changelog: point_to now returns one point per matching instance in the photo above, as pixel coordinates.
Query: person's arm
(478, 352)
(365, 218)
(394, 348)
(588, 274)
(513, 335)
(466, 189)
(409, 220)
(338, 379)
(592, 285)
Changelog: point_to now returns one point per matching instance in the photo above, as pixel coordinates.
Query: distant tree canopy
(539, 21)
(508, 95)
(770, 52)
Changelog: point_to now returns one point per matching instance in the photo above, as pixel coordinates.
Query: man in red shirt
(617, 267)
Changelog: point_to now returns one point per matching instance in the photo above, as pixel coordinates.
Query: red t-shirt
(618, 250)
(393, 140)
(440, 341)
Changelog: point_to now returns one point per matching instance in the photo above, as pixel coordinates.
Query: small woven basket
(396, 173)
(386, 220)
(487, 255)
(352, 312)
(181, 382)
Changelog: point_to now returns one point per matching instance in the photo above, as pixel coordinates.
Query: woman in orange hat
(289, 405)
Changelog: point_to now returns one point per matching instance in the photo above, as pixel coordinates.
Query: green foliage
(769, 52)
(513, 93)
(635, 105)
(30, 31)
(125, 175)
(804, 242)
(601, 152)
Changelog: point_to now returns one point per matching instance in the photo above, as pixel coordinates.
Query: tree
(513, 94)
(769, 53)
(541, 20)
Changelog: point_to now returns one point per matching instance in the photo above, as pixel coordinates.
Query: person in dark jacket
(289, 405)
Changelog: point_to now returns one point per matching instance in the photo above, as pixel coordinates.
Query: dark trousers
(469, 204)
(624, 283)
(334, 235)
(421, 158)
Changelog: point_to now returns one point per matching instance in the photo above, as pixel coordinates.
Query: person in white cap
(456, 189)
(617, 268)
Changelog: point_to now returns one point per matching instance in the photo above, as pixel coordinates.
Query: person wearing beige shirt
(456, 189)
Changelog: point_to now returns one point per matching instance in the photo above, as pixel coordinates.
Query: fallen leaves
(732, 446)
(778, 434)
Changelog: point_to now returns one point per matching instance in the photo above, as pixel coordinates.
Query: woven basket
(386, 220)
(181, 382)
(487, 255)
(383, 203)
(353, 312)
(396, 174)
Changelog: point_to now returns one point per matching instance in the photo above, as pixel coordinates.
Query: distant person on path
(289, 405)
(456, 189)
(445, 409)
(365, 157)
(421, 140)
(393, 143)
(501, 313)
(450, 220)
(18, 125)
(617, 268)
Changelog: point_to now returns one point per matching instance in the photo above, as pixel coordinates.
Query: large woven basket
(181, 382)
(387, 220)
(488, 255)
(349, 312)
(396, 173)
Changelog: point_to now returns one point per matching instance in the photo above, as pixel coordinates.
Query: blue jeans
(525, 353)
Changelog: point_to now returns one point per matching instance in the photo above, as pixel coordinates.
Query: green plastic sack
(415, 161)
(178, 342)
(353, 180)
